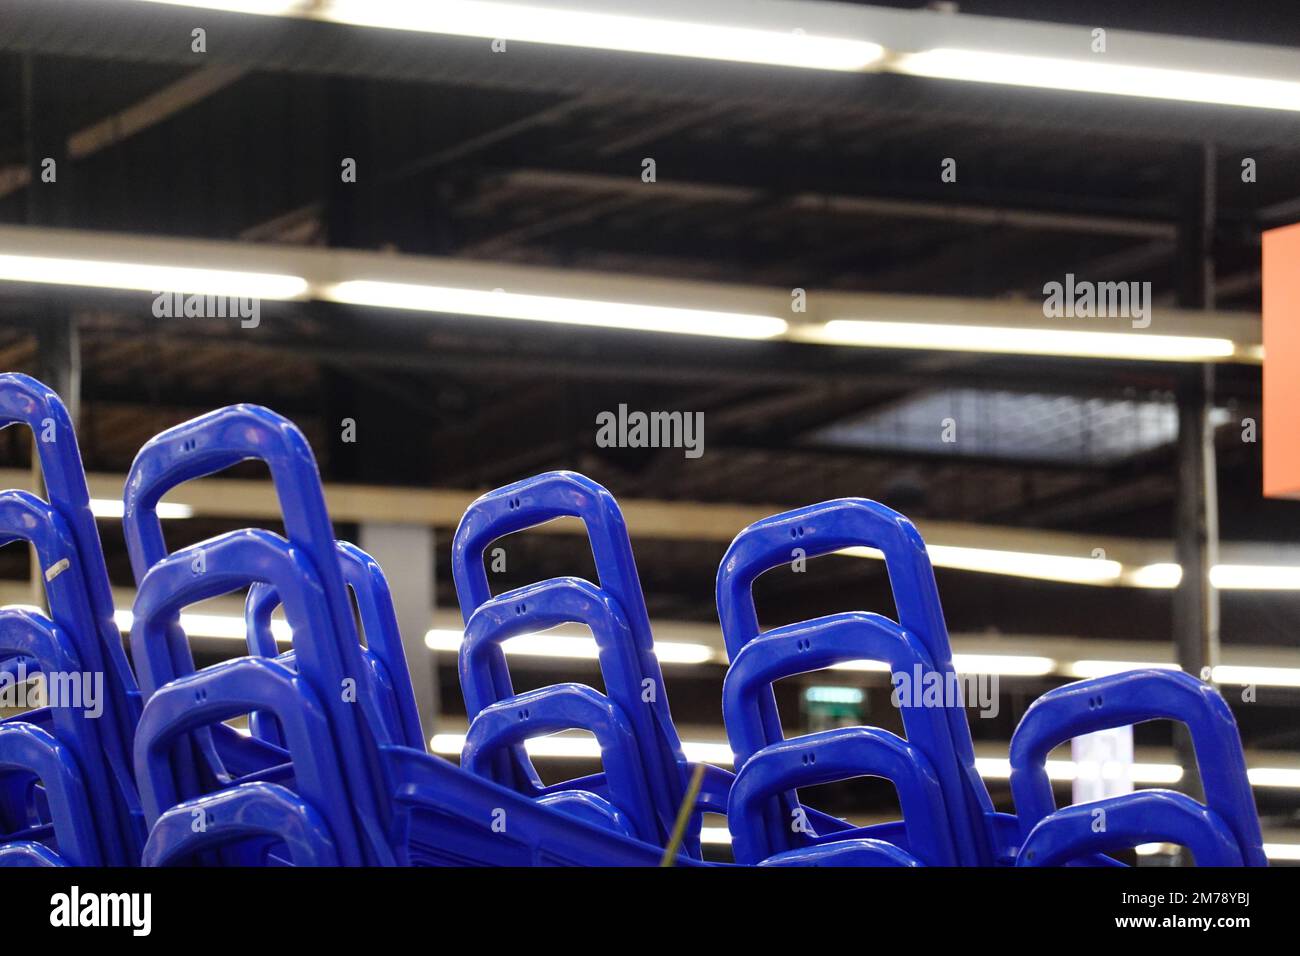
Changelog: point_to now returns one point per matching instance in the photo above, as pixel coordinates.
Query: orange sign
(1282, 362)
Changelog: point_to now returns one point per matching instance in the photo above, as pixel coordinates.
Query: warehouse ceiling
(778, 178)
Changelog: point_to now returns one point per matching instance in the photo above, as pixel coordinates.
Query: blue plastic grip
(1128, 698)
(248, 810)
(1147, 816)
(840, 754)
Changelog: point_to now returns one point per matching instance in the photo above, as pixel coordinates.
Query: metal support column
(48, 203)
(1196, 530)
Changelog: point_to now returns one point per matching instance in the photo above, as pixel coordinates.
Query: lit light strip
(230, 626)
(999, 768)
(1011, 665)
(1225, 577)
(528, 23)
(563, 645)
(545, 308)
(226, 626)
(715, 836)
(1101, 76)
(114, 508)
(585, 748)
(763, 323)
(1011, 340)
(721, 836)
(1068, 569)
(144, 277)
(1274, 777)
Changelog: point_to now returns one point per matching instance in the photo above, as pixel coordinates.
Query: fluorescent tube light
(1282, 851)
(993, 768)
(271, 8)
(1255, 577)
(563, 645)
(1225, 577)
(146, 277)
(1002, 664)
(1011, 340)
(584, 748)
(1043, 567)
(1267, 676)
(715, 836)
(1085, 669)
(227, 626)
(1274, 777)
(1011, 665)
(1099, 75)
(114, 508)
(1164, 575)
(545, 308)
(999, 768)
(529, 23)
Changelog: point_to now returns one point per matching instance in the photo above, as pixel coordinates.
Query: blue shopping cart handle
(559, 707)
(28, 853)
(485, 677)
(253, 809)
(811, 646)
(379, 624)
(25, 401)
(1116, 823)
(753, 721)
(30, 636)
(591, 807)
(212, 443)
(29, 749)
(230, 689)
(822, 529)
(834, 755)
(534, 501)
(863, 851)
(1132, 697)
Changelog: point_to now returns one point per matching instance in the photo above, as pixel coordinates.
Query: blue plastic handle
(379, 624)
(27, 853)
(534, 501)
(558, 707)
(213, 442)
(230, 689)
(1132, 697)
(25, 401)
(30, 636)
(823, 529)
(538, 607)
(100, 748)
(832, 755)
(253, 809)
(591, 807)
(860, 852)
(1148, 816)
(821, 643)
(29, 749)
(833, 526)
(231, 562)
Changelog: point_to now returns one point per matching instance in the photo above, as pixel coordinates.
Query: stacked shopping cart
(332, 769)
